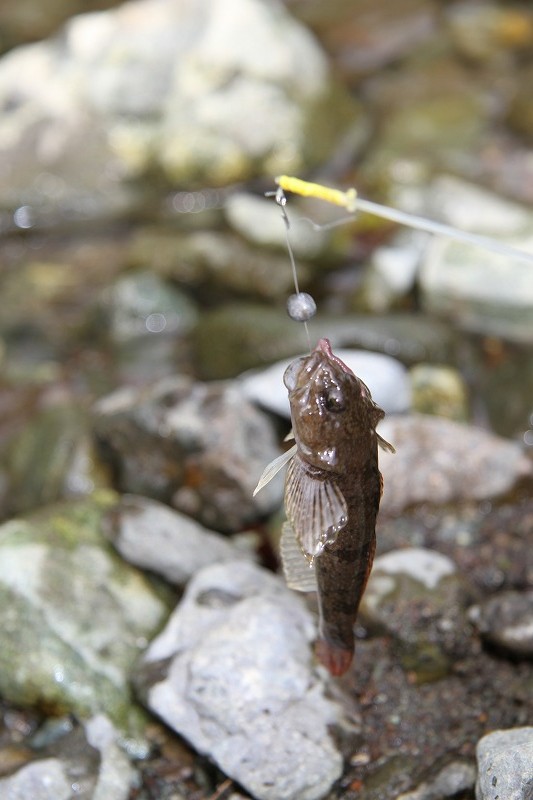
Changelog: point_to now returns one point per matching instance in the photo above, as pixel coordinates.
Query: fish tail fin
(336, 659)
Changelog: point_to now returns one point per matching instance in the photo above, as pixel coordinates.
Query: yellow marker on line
(347, 199)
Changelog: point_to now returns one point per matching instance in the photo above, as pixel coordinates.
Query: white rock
(232, 672)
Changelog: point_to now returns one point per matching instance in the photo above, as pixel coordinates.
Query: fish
(333, 488)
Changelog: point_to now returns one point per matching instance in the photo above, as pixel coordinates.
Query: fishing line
(300, 306)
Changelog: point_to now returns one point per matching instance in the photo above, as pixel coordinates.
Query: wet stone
(505, 621)
(75, 617)
(505, 765)
(439, 461)
(153, 536)
(198, 447)
(237, 682)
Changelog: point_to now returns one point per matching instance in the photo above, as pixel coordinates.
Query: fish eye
(334, 401)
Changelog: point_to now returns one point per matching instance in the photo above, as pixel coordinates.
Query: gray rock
(439, 461)
(505, 765)
(232, 673)
(392, 271)
(155, 537)
(451, 781)
(385, 377)
(45, 779)
(506, 621)
(259, 220)
(415, 595)
(481, 290)
(199, 447)
(74, 617)
(178, 88)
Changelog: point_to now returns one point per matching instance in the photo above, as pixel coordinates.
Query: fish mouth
(324, 346)
(303, 370)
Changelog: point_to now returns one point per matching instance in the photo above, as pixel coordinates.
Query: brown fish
(332, 493)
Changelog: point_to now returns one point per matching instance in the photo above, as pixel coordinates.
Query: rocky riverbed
(149, 648)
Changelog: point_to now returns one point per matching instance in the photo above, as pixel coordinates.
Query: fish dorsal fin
(384, 444)
(299, 573)
(272, 469)
(315, 507)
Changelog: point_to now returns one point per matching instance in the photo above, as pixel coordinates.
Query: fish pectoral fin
(272, 469)
(289, 436)
(384, 444)
(315, 507)
(299, 572)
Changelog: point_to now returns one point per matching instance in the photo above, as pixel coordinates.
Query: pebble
(505, 765)
(506, 622)
(385, 377)
(233, 673)
(153, 536)
(45, 779)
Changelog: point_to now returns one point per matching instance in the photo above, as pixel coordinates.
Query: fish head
(331, 408)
